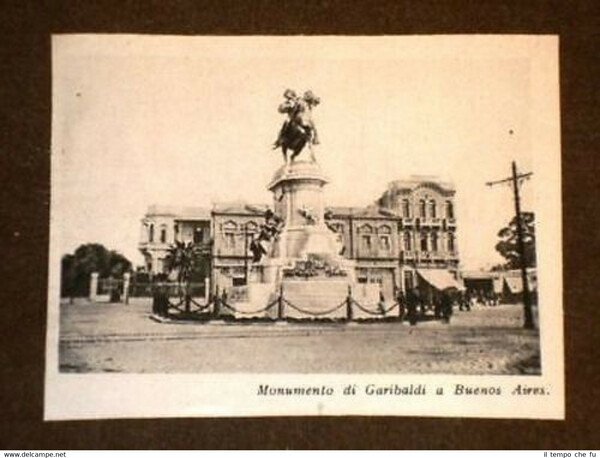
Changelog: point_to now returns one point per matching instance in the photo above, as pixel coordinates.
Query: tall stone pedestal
(303, 275)
(305, 243)
(305, 258)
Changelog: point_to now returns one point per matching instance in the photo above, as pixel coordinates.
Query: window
(238, 281)
(251, 227)
(163, 234)
(450, 242)
(361, 275)
(151, 233)
(365, 229)
(449, 209)
(423, 242)
(229, 226)
(366, 242)
(405, 208)
(229, 240)
(432, 209)
(407, 241)
(198, 235)
(434, 241)
(176, 231)
(422, 208)
(384, 242)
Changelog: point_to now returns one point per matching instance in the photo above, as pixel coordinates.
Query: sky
(190, 121)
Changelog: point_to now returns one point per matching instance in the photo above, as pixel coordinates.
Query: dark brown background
(25, 111)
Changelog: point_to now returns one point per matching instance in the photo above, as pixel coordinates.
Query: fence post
(187, 296)
(349, 316)
(207, 289)
(381, 303)
(280, 303)
(94, 286)
(126, 284)
(216, 306)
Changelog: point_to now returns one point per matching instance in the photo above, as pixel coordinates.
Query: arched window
(432, 209)
(450, 242)
(366, 242)
(384, 242)
(422, 208)
(251, 227)
(423, 242)
(366, 239)
(151, 233)
(365, 229)
(163, 234)
(229, 240)
(229, 231)
(405, 208)
(407, 241)
(434, 241)
(230, 226)
(385, 233)
(449, 209)
(176, 231)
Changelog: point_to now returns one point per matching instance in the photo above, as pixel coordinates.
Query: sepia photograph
(305, 226)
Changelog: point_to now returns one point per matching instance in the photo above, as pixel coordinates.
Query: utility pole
(516, 179)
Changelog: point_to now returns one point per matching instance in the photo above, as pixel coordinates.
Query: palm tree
(183, 258)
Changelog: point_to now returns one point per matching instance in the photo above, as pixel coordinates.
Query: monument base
(303, 275)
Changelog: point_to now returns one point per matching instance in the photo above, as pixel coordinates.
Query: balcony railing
(408, 255)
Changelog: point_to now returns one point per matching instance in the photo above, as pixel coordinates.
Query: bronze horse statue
(298, 130)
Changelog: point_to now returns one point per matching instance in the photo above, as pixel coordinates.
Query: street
(100, 337)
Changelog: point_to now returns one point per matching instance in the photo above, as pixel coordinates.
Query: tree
(508, 247)
(187, 261)
(77, 268)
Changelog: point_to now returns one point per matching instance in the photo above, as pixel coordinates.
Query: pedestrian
(446, 305)
(401, 299)
(421, 302)
(412, 301)
(480, 298)
(437, 306)
(463, 301)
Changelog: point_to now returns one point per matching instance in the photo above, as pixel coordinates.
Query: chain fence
(186, 306)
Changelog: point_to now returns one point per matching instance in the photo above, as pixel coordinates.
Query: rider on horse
(298, 129)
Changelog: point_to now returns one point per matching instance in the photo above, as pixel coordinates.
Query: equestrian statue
(298, 130)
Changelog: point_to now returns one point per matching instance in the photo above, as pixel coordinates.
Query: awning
(440, 279)
(515, 285)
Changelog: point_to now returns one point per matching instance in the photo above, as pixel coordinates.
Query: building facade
(163, 225)
(406, 239)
